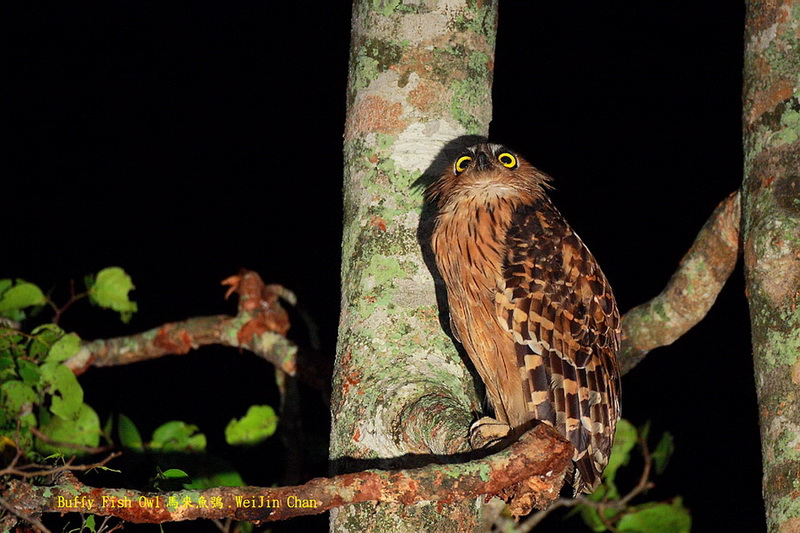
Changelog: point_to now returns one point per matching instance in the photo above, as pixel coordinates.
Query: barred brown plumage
(529, 303)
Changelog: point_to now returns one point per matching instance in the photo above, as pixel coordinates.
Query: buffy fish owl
(529, 303)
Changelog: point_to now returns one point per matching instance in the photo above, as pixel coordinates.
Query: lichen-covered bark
(691, 291)
(541, 456)
(771, 210)
(420, 79)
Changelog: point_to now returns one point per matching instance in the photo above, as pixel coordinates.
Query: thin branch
(690, 292)
(35, 522)
(223, 525)
(31, 470)
(644, 483)
(73, 297)
(105, 524)
(80, 447)
(539, 454)
(259, 326)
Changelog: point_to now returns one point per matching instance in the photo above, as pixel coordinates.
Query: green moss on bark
(420, 75)
(772, 245)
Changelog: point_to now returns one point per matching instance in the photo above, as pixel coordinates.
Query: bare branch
(540, 454)
(30, 470)
(690, 292)
(73, 297)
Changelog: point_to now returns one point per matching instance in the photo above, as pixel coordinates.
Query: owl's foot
(486, 432)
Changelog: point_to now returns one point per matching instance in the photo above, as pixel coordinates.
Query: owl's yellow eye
(507, 160)
(462, 163)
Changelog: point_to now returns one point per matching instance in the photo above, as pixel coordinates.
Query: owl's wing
(557, 305)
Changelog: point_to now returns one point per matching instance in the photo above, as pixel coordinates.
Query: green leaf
(82, 430)
(15, 315)
(663, 452)
(110, 291)
(657, 518)
(89, 523)
(64, 348)
(21, 295)
(257, 425)
(5, 284)
(128, 434)
(29, 372)
(7, 366)
(624, 441)
(177, 436)
(9, 339)
(17, 400)
(107, 428)
(67, 392)
(245, 527)
(44, 337)
(174, 473)
(172, 479)
(17, 395)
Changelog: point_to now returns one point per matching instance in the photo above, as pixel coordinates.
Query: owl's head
(489, 171)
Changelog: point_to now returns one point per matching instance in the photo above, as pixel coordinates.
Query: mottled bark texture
(540, 454)
(419, 84)
(771, 210)
(691, 291)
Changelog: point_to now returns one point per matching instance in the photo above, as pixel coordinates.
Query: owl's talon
(486, 432)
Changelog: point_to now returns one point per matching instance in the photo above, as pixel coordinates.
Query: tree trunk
(771, 211)
(419, 87)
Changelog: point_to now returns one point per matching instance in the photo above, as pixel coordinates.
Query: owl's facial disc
(482, 161)
(487, 157)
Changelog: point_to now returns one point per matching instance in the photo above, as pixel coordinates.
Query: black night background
(184, 141)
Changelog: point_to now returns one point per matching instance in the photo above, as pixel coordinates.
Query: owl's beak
(482, 161)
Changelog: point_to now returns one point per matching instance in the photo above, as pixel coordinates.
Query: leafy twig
(259, 326)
